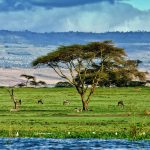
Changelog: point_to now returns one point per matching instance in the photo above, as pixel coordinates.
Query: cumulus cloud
(96, 17)
(140, 22)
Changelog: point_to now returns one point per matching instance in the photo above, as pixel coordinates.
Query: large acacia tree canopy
(94, 50)
(88, 64)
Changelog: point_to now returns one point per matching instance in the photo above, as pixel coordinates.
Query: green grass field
(53, 119)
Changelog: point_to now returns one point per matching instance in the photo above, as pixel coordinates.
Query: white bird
(17, 134)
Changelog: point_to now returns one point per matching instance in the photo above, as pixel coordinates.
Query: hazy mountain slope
(18, 49)
(55, 38)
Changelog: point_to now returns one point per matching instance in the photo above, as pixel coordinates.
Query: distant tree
(79, 61)
(34, 83)
(28, 78)
(128, 72)
(16, 102)
(63, 84)
(21, 85)
(43, 83)
(136, 83)
(38, 83)
(119, 74)
(138, 62)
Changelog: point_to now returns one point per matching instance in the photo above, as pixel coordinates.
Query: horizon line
(138, 31)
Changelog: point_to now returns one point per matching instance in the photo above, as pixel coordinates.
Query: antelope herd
(18, 103)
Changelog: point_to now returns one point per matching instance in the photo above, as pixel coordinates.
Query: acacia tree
(28, 78)
(34, 83)
(124, 74)
(21, 85)
(12, 96)
(38, 83)
(80, 60)
(119, 74)
(42, 83)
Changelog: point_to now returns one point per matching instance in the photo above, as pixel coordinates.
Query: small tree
(79, 61)
(34, 83)
(21, 85)
(38, 83)
(15, 101)
(42, 83)
(63, 84)
(28, 78)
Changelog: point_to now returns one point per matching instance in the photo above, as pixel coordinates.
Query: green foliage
(62, 54)
(89, 51)
(118, 74)
(94, 62)
(136, 83)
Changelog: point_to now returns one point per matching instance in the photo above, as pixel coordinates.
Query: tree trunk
(15, 105)
(27, 82)
(85, 105)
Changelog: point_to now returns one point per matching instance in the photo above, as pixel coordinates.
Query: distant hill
(58, 38)
(20, 48)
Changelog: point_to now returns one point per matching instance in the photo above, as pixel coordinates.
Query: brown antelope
(14, 110)
(120, 103)
(20, 101)
(66, 102)
(40, 101)
(146, 112)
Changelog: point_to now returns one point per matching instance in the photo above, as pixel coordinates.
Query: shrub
(63, 84)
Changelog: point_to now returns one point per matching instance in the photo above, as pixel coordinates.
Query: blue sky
(140, 4)
(75, 15)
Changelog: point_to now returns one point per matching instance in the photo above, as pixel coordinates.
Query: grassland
(53, 119)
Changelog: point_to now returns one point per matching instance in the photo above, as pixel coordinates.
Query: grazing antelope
(120, 103)
(146, 112)
(14, 110)
(40, 101)
(66, 102)
(19, 101)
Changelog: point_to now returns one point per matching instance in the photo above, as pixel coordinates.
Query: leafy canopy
(77, 63)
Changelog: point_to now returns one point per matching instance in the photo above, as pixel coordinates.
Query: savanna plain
(52, 119)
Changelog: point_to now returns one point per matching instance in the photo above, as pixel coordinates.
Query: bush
(63, 84)
(136, 83)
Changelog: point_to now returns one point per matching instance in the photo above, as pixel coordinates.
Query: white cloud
(99, 17)
(141, 22)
